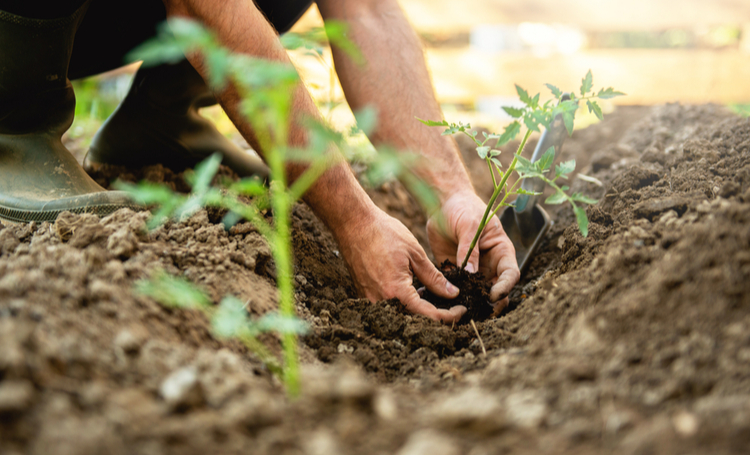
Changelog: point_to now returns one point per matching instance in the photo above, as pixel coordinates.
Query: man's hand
(494, 254)
(382, 255)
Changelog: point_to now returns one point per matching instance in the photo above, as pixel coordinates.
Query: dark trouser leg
(158, 122)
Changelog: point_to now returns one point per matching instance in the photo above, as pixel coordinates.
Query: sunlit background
(656, 51)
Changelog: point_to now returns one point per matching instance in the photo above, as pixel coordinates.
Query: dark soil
(634, 340)
(475, 293)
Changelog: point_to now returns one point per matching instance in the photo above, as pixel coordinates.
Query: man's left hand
(493, 255)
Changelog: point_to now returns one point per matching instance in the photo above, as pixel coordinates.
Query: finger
(499, 306)
(508, 275)
(431, 277)
(415, 305)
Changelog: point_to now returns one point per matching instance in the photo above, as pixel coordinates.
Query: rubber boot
(158, 122)
(39, 178)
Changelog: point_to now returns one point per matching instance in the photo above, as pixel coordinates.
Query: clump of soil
(474, 294)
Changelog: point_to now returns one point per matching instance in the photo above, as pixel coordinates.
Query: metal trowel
(526, 223)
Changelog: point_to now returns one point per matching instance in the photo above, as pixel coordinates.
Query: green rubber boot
(39, 178)
(158, 122)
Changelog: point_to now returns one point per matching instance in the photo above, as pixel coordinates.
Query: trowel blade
(526, 240)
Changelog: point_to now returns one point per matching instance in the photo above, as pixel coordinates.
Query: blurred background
(656, 51)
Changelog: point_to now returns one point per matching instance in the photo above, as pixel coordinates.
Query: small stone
(429, 442)
(685, 424)
(129, 341)
(15, 396)
(182, 389)
(342, 348)
(526, 409)
(474, 409)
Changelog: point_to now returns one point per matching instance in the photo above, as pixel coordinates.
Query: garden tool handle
(554, 136)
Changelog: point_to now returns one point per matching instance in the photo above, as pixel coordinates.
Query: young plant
(266, 89)
(532, 115)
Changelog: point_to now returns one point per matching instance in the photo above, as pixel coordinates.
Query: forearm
(396, 82)
(336, 197)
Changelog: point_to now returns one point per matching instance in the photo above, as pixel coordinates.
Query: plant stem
(494, 197)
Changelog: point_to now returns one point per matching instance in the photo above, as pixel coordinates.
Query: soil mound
(635, 339)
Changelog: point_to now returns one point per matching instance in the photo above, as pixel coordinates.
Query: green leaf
(535, 100)
(497, 163)
(557, 198)
(205, 172)
(525, 166)
(583, 221)
(367, 119)
(171, 291)
(274, 322)
(495, 152)
(513, 111)
(555, 91)
(565, 168)
(524, 95)
(594, 107)
(482, 151)
(569, 119)
(230, 320)
(433, 122)
(531, 122)
(607, 93)
(586, 83)
(250, 186)
(530, 193)
(581, 198)
(545, 162)
(510, 133)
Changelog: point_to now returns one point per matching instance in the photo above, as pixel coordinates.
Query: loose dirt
(633, 340)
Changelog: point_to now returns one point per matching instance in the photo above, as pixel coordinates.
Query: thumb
(431, 277)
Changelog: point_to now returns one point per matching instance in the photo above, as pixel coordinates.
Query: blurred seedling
(266, 90)
(533, 116)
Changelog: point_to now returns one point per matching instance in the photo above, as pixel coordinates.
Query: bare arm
(395, 80)
(380, 251)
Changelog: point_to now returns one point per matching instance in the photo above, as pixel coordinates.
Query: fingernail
(452, 290)
(470, 268)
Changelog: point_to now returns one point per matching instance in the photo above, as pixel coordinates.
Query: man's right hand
(382, 255)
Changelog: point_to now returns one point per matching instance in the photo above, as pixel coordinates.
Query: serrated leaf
(513, 111)
(588, 178)
(586, 83)
(535, 100)
(433, 122)
(495, 152)
(583, 221)
(565, 168)
(510, 133)
(482, 151)
(497, 163)
(556, 199)
(555, 91)
(594, 107)
(581, 198)
(545, 162)
(525, 166)
(530, 193)
(530, 122)
(608, 93)
(524, 95)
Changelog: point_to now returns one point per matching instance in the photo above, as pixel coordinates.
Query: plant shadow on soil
(635, 339)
